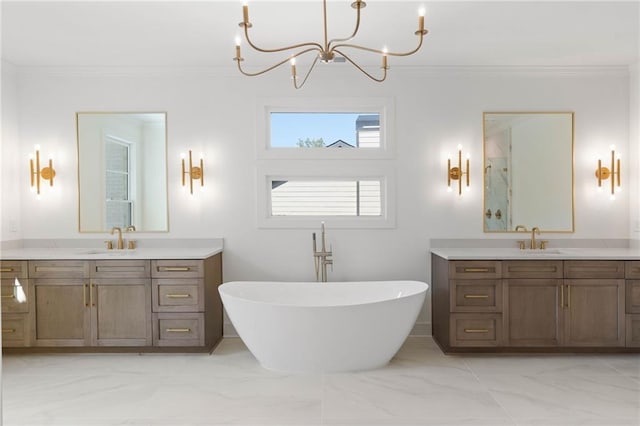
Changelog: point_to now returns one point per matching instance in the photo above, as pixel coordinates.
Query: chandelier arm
(378, 51)
(379, 80)
(281, 49)
(355, 31)
(284, 61)
(304, 80)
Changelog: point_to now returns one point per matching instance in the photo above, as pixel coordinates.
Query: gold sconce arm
(456, 173)
(46, 173)
(194, 172)
(604, 173)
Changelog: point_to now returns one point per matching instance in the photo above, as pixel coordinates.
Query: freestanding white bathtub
(323, 327)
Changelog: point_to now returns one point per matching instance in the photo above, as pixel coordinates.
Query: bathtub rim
(423, 288)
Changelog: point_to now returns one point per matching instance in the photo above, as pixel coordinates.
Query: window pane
(325, 198)
(118, 214)
(325, 130)
(117, 186)
(117, 156)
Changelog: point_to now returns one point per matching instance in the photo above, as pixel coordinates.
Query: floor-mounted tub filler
(323, 327)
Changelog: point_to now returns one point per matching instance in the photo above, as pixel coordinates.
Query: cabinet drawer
(177, 268)
(532, 269)
(632, 296)
(475, 269)
(476, 295)
(476, 330)
(591, 269)
(178, 329)
(15, 330)
(632, 269)
(178, 295)
(15, 295)
(58, 269)
(13, 269)
(120, 269)
(633, 331)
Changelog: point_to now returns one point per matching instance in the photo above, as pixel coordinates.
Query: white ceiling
(201, 33)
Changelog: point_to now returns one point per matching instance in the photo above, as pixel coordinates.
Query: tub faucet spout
(322, 258)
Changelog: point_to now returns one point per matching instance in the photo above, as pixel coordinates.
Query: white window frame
(286, 170)
(385, 107)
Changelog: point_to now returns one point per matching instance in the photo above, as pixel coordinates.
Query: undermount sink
(106, 252)
(539, 252)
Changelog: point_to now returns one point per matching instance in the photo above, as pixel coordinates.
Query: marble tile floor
(421, 386)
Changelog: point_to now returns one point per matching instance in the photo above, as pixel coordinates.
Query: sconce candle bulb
(194, 172)
(604, 173)
(456, 173)
(37, 173)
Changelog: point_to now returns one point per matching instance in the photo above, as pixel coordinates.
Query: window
(320, 197)
(118, 203)
(324, 130)
(298, 187)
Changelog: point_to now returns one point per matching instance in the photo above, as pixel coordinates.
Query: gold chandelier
(326, 51)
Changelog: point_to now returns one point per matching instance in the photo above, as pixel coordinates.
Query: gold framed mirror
(122, 171)
(528, 176)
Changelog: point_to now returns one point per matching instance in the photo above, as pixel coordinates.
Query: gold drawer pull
(8, 330)
(178, 330)
(476, 296)
(178, 296)
(8, 296)
(6, 269)
(476, 269)
(174, 268)
(476, 330)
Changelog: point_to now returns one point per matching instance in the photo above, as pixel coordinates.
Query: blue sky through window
(288, 127)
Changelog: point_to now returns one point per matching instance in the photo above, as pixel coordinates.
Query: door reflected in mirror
(122, 171)
(528, 171)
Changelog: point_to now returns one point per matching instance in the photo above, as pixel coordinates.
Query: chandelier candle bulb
(328, 49)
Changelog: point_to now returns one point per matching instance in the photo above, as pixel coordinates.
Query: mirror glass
(122, 171)
(528, 171)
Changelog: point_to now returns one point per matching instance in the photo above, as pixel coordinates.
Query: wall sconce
(194, 172)
(46, 173)
(456, 173)
(604, 173)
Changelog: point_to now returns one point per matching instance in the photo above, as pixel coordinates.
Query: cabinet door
(533, 312)
(121, 312)
(594, 313)
(61, 312)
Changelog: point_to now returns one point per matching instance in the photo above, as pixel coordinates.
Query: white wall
(12, 164)
(634, 154)
(216, 114)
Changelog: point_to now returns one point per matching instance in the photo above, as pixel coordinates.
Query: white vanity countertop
(554, 253)
(98, 253)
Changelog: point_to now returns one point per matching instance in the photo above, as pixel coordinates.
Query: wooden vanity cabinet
(594, 310)
(16, 303)
(61, 311)
(533, 303)
(98, 303)
(139, 305)
(550, 305)
(187, 310)
(632, 303)
(469, 303)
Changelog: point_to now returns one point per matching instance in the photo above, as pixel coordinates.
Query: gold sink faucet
(521, 228)
(535, 230)
(120, 240)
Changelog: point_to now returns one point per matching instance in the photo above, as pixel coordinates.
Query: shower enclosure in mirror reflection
(122, 171)
(528, 171)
